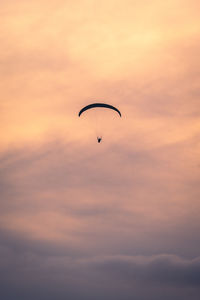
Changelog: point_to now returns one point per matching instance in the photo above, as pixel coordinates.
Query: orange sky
(137, 193)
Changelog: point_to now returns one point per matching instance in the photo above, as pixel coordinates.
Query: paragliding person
(99, 139)
(97, 106)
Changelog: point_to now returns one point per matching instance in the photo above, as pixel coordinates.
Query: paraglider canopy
(98, 105)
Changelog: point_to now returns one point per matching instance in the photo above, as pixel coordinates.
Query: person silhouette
(99, 139)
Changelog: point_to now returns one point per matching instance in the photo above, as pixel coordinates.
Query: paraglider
(99, 105)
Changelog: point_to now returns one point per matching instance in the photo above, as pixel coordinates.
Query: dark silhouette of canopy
(99, 105)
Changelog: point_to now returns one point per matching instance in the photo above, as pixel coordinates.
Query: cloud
(130, 202)
(29, 274)
(161, 269)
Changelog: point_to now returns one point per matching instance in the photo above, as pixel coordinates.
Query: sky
(116, 220)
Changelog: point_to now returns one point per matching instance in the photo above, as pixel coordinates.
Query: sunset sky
(117, 220)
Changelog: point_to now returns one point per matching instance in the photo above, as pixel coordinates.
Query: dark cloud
(163, 269)
(27, 274)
